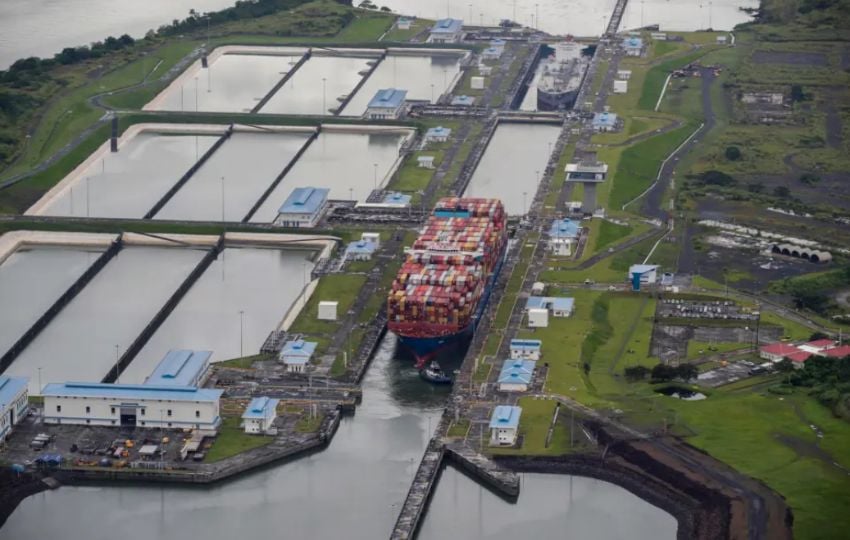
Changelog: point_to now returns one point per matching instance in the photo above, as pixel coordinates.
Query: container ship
(562, 76)
(444, 284)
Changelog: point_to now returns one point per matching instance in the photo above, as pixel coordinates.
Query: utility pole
(117, 358)
(241, 313)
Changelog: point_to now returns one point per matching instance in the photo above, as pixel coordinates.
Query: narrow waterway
(127, 183)
(260, 283)
(234, 177)
(549, 506)
(352, 489)
(31, 279)
(351, 165)
(318, 86)
(512, 165)
(84, 340)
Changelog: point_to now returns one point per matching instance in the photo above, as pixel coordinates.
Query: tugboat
(434, 374)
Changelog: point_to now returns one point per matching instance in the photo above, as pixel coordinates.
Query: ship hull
(555, 101)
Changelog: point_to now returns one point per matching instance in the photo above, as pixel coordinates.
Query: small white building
(516, 375)
(327, 310)
(463, 101)
(438, 134)
(372, 237)
(559, 306)
(538, 318)
(13, 403)
(260, 415)
(538, 288)
(296, 355)
(604, 121)
(658, 36)
(132, 405)
(624, 74)
(491, 53)
(643, 274)
(387, 104)
(563, 235)
(722, 39)
(359, 250)
(477, 83)
(633, 46)
(526, 349)
(504, 425)
(403, 23)
(304, 207)
(425, 162)
(446, 31)
(621, 87)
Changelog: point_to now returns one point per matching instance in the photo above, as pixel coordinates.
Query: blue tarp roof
(550, 302)
(179, 367)
(633, 43)
(564, 228)
(131, 391)
(360, 246)
(260, 407)
(388, 98)
(526, 344)
(10, 388)
(396, 198)
(438, 131)
(304, 200)
(447, 26)
(505, 416)
(298, 351)
(517, 371)
(464, 101)
(642, 268)
(604, 119)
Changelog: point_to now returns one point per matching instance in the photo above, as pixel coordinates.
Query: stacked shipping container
(448, 269)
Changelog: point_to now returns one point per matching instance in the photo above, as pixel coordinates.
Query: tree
(755, 187)
(663, 372)
(636, 373)
(782, 192)
(809, 179)
(686, 372)
(797, 93)
(733, 153)
(818, 335)
(717, 178)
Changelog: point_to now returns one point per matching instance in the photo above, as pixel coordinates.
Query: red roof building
(820, 344)
(837, 352)
(775, 352)
(799, 357)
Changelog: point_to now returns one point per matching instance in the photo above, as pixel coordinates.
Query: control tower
(587, 173)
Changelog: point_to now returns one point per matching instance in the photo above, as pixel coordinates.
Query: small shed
(403, 23)
(438, 134)
(538, 318)
(722, 39)
(504, 425)
(624, 74)
(643, 274)
(372, 237)
(260, 415)
(425, 162)
(327, 310)
(477, 83)
(296, 354)
(538, 288)
(492, 53)
(621, 87)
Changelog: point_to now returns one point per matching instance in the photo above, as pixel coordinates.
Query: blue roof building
(633, 46)
(296, 354)
(131, 391)
(396, 199)
(181, 367)
(492, 53)
(438, 134)
(260, 414)
(522, 349)
(504, 424)
(642, 274)
(446, 31)
(463, 101)
(13, 403)
(303, 208)
(604, 121)
(387, 104)
(516, 375)
(559, 306)
(564, 228)
(360, 250)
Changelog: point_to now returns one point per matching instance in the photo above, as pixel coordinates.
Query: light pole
(445, 80)
(351, 193)
(709, 15)
(524, 204)
(537, 13)
(87, 196)
(196, 93)
(324, 98)
(222, 201)
(241, 331)
(117, 359)
(375, 178)
(39, 380)
(481, 19)
(470, 13)
(432, 93)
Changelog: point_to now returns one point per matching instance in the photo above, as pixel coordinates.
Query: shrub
(733, 153)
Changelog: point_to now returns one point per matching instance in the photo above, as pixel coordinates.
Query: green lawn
(534, 426)
(232, 440)
(702, 348)
(367, 27)
(610, 233)
(459, 429)
(340, 287)
(411, 177)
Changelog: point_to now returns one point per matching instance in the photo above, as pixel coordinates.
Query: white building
(477, 83)
(181, 367)
(403, 23)
(260, 415)
(516, 375)
(559, 306)
(425, 162)
(504, 425)
(131, 405)
(538, 318)
(438, 134)
(526, 349)
(563, 235)
(624, 74)
(296, 355)
(538, 288)
(446, 31)
(633, 46)
(722, 39)
(13, 403)
(327, 310)
(303, 208)
(643, 274)
(658, 36)
(372, 238)
(387, 104)
(621, 87)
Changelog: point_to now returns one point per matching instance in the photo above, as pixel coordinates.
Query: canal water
(352, 489)
(232, 83)
(127, 183)
(549, 506)
(582, 17)
(239, 172)
(424, 77)
(24, 299)
(80, 343)
(318, 86)
(44, 27)
(511, 167)
(261, 283)
(343, 162)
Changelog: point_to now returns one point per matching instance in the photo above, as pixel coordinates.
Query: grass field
(702, 348)
(232, 440)
(534, 426)
(610, 233)
(340, 287)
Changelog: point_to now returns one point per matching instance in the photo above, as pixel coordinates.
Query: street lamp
(324, 98)
(241, 314)
(87, 196)
(524, 204)
(222, 200)
(375, 179)
(39, 380)
(117, 359)
(196, 93)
